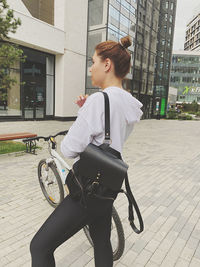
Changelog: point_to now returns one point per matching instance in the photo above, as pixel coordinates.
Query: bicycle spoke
(50, 184)
(114, 237)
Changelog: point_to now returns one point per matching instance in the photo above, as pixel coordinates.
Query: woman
(111, 63)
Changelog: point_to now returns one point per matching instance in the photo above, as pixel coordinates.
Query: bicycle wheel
(50, 183)
(117, 235)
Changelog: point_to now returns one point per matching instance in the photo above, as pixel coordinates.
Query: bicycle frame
(60, 163)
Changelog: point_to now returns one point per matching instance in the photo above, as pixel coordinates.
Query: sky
(184, 12)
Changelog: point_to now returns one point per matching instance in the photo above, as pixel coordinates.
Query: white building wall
(35, 33)
(67, 40)
(74, 59)
(19, 7)
(59, 14)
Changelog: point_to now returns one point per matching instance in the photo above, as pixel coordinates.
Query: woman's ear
(108, 64)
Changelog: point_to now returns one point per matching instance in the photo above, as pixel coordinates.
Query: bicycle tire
(51, 200)
(117, 253)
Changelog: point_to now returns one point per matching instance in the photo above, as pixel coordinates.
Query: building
(192, 39)
(59, 45)
(185, 76)
(172, 97)
(143, 21)
(110, 20)
(53, 36)
(164, 54)
(145, 53)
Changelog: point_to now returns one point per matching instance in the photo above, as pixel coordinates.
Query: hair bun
(126, 41)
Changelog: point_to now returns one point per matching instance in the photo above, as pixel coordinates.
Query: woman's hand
(81, 100)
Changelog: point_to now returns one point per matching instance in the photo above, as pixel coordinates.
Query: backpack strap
(107, 117)
(132, 202)
(128, 192)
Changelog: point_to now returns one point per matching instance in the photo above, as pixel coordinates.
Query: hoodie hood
(132, 108)
(130, 105)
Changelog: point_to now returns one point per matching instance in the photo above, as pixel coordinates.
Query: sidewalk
(164, 173)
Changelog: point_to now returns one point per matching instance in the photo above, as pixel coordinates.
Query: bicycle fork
(46, 177)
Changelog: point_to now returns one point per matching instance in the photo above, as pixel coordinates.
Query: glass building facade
(32, 97)
(185, 76)
(192, 39)
(151, 27)
(145, 52)
(110, 20)
(163, 56)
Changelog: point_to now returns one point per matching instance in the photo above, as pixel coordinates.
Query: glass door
(34, 102)
(34, 88)
(37, 92)
(29, 102)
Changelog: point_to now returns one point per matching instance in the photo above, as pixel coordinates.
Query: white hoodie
(89, 127)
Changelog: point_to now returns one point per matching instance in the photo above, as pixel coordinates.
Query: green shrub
(197, 114)
(193, 107)
(184, 117)
(171, 115)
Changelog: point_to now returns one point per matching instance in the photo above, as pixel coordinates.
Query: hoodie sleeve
(137, 114)
(132, 109)
(87, 125)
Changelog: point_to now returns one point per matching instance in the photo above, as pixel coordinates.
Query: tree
(9, 53)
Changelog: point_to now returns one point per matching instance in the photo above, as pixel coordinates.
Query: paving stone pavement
(164, 173)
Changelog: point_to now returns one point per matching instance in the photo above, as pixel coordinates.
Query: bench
(30, 145)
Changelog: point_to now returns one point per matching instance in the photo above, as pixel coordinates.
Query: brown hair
(118, 53)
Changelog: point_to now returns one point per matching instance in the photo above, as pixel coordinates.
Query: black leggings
(66, 220)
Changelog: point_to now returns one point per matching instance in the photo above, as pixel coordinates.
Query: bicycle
(52, 174)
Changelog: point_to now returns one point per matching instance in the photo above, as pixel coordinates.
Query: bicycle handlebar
(46, 138)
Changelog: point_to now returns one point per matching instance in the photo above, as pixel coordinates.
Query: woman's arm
(76, 140)
(87, 125)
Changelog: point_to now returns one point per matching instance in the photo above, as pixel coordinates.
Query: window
(49, 84)
(114, 13)
(125, 4)
(187, 79)
(41, 9)
(163, 41)
(124, 21)
(166, 17)
(175, 79)
(113, 28)
(113, 33)
(172, 6)
(132, 10)
(93, 39)
(10, 98)
(174, 59)
(96, 12)
(170, 18)
(167, 4)
(170, 30)
(122, 34)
